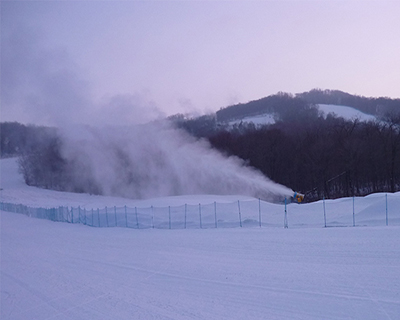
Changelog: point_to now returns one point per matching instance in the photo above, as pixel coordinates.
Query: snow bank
(62, 271)
(348, 113)
(52, 270)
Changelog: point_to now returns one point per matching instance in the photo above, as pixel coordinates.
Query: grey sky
(129, 61)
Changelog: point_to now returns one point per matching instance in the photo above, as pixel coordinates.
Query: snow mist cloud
(45, 86)
(156, 160)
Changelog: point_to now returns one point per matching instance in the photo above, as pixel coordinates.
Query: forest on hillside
(286, 105)
(328, 158)
(323, 157)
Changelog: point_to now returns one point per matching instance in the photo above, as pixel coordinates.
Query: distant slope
(282, 105)
(345, 112)
(369, 105)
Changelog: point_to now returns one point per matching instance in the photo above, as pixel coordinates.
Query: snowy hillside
(261, 119)
(54, 270)
(345, 112)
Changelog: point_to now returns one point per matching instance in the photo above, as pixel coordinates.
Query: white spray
(155, 160)
(140, 161)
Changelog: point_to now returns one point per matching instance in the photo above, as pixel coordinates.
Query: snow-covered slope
(53, 270)
(345, 112)
(261, 119)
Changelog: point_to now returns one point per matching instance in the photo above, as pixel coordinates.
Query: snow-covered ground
(54, 270)
(346, 112)
(261, 119)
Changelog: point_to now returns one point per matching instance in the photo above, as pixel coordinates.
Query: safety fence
(372, 210)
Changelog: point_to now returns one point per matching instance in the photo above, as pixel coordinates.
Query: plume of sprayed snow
(46, 86)
(155, 160)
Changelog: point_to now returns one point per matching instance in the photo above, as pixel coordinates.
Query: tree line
(285, 105)
(375, 106)
(328, 158)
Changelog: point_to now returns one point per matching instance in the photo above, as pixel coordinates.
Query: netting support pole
(240, 214)
(387, 217)
(107, 217)
(169, 216)
(215, 212)
(185, 214)
(137, 220)
(152, 217)
(201, 226)
(323, 201)
(285, 222)
(354, 215)
(126, 217)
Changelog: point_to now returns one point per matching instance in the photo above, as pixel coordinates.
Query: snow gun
(298, 197)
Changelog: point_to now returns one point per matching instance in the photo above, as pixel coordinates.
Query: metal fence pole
(201, 226)
(285, 222)
(185, 214)
(240, 214)
(354, 217)
(152, 217)
(137, 220)
(169, 216)
(126, 218)
(387, 218)
(215, 212)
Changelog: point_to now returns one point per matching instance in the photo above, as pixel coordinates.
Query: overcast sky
(131, 61)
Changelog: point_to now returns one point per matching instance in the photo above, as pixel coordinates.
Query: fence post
(259, 211)
(285, 222)
(215, 212)
(240, 214)
(137, 220)
(98, 216)
(115, 213)
(107, 217)
(387, 218)
(201, 225)
(354, 216)
(152, 217)
(323, 201)
(126, 218)
(72, 215)
(92, 218)
(169, 216)
(79, 214)
(84, 210)
(185, 214)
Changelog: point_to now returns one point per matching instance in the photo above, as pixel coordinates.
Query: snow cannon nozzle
(298, 197)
